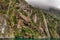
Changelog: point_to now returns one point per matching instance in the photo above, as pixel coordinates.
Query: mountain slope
(29, 22)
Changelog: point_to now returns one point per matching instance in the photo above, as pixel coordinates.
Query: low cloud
(45, 3)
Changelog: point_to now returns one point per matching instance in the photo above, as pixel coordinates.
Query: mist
(45, 4)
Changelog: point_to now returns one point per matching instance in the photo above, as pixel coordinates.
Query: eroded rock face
(5, 30)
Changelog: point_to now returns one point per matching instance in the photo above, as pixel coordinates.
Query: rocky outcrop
(25, 21)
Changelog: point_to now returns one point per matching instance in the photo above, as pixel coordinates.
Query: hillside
(24, 21)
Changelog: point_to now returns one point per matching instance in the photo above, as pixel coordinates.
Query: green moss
(14, 19)
(27, 30)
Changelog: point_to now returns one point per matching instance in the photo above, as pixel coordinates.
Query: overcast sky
(45, 3)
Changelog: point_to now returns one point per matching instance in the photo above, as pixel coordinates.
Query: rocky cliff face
(25, 21)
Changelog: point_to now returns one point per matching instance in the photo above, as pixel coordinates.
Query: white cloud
(45, 3)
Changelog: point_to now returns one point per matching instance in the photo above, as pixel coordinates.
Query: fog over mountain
(45, 3)
(50, 5)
